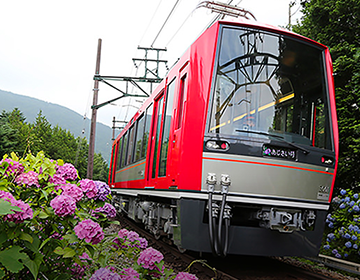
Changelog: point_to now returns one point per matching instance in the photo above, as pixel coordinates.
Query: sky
(48, 48)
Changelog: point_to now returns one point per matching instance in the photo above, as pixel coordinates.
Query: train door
(176, 145)
(154, 141)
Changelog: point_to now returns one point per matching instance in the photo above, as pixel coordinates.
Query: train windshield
(270, 84)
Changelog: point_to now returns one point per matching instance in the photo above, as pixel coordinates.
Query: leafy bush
(52, 227)
(343, 239)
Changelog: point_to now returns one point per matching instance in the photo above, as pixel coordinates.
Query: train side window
(158, 128)
(182, 93)
(124, 146)
(166, 128)
(118, 157)
(149, 113)
(139, 138)
(130, 145)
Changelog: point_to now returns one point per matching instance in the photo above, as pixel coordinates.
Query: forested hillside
(57, 115)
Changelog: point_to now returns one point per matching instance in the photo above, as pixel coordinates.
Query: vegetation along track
(207, 267)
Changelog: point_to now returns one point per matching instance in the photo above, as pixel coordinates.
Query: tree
(8, 137)
(336, 23)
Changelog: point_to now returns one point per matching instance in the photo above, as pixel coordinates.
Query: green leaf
(45, 194)
(2, 274)
(7, 208)
(43, 215)
(3, 237)
(44, 242)
(10, 259)
(34, 265)
(90, 249)
(71, 238)
(59, 251)
(33, 246)
(69, 252)
(26, 237)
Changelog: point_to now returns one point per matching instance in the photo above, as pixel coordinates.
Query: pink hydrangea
(63, 205)
(107, 209)
(78, 271)
(132, 236)
(57, 180)
(149, 257)
(90, 230)
(123, 233)
(142, 243)
(105, 274)
(19, 217)
(14, 168)
(185, 276)
(89, 188)
(67, 171)
(30, 178)
(6, 196)
(72, 190)
(129, 274)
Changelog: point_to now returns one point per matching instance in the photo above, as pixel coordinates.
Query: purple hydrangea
(67, 171)
(63, 205)
(326, 247)
(343, 192)
(105, 274)
(72, 190)
(143, 243)
(89, 188)
(19, 217)
(30, 178)
(90, 230)
(108, 210)
(149, 257)
(129, 274)
(103, 190)
(185, 276)
(348, 244)
(14, 168)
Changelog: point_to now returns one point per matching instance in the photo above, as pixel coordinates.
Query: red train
(236, 150)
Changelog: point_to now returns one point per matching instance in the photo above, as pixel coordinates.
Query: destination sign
(278, 152)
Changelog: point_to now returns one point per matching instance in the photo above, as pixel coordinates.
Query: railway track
(207, 267)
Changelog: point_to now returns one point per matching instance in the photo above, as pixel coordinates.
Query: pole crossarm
(133, 80)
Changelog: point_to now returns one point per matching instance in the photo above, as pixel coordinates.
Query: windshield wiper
(305, 151)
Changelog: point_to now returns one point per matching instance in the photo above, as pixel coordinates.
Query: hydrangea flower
(348, 244)
(19, 217)
(105, 274)
(143, 243)
(331, 236)
(108, 210)
(72, 190)
(354, 237)
(347, 199)
(14, 168)
(356, 208)
(57, 180)
(123, 233)
(67, 171)
(132, 236)
(129, 274)
(149, 257)
(343, 192)
(326, 247)
(90, 230)
(352, 203)
(63, 205)
(355, 246)
(6, 196)
(88, 187)
(103, 190)
(356, 196)
(30, 178)
(185, 276)
(342, 206)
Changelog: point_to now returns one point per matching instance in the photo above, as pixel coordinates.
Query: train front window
(269, 84)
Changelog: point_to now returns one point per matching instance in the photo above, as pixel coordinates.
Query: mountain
(58, 115)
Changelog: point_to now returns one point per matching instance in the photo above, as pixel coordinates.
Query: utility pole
(90, 167)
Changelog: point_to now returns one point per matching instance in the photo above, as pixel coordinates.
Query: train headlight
(217, 145)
